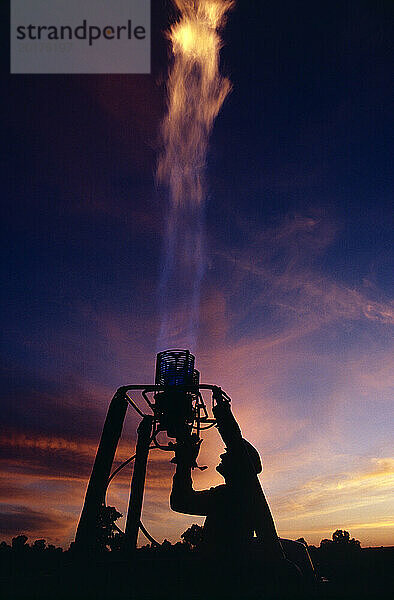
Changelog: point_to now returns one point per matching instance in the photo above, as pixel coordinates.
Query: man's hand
(186, 451)
(219, 396)
(225, 421)
(222, 409)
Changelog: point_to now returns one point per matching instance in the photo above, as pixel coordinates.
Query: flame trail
(196, 92)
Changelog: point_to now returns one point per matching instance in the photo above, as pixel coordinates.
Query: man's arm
(184, 498)
(232, 437)
(226, 423)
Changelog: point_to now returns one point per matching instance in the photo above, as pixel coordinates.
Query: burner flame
(196, 92)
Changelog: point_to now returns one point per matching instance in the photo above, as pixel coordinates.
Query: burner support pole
(138, 482)
(95, 494)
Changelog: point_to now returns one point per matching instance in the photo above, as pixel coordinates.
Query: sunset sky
(296, 303)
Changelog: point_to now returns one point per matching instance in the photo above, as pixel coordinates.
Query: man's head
(230, 463)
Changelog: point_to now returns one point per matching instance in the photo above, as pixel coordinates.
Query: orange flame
(196, 92)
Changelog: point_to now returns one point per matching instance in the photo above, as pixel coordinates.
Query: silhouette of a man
(236, 510)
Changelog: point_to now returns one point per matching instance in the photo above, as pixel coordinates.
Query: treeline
(341, 550)
(109, 539)
(44, 571)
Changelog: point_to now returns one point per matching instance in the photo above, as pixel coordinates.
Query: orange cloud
(341, 500)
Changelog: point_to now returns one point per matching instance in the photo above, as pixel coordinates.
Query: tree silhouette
(19, 543)
(342, 538)
(193, 536)
(106, 532)
(340, 541)
(39, 545)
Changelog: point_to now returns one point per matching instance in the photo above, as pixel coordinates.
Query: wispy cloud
(341, 499)
(281, 267)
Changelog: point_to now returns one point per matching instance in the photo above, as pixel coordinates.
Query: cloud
(338, 497)
(36, 404)
(373, 373)
(55, 457)
(15, 520)
(377, 468)
(279, 268)
(13, 489)
(369, 532)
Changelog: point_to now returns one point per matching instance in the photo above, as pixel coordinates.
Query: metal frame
(147, 430)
